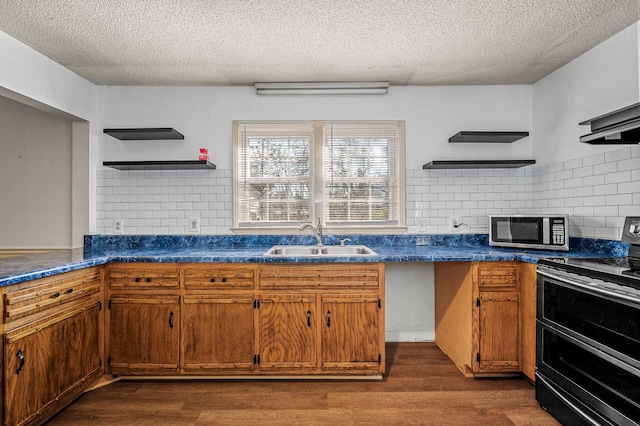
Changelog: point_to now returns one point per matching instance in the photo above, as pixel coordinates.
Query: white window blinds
(361, 178)
(273, 175)
(347, 173)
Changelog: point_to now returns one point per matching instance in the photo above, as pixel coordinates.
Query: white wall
(596, 185)
(32, 79)
(162, 202)
(601, 80)
(204, 116)
(409, 301)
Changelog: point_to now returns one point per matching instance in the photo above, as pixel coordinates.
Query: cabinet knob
(213, 280)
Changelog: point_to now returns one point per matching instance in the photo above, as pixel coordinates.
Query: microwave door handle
(546, 231)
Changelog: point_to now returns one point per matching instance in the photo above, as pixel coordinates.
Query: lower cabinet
(51, 355)
(288, 333)
(144, 333)
(218, 333)
(249, 319)
(478, 317)
(322, 319)
(351, 326)
(496, 325)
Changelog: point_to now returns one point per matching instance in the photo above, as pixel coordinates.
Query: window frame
(316, 191)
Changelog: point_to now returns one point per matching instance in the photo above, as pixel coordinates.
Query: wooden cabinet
(332, 316)
(52, 344)
(528, 320)
(143, 319)
(351, 333)
(288, 325)
(478, 316)
(218, 333)
(181, 319)
(496, 325)
(144, 333)
(246, 319)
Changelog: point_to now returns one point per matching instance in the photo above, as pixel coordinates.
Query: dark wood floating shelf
(478, 164)
(487, 137)
(160, 165)
(145, 134)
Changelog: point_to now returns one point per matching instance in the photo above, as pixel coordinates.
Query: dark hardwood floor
(421, 387)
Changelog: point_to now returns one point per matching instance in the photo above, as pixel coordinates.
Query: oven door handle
(571, 405)
(590, 288)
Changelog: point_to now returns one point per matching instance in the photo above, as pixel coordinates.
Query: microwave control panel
(557, 231)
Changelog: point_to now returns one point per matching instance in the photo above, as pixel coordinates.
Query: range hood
(620, 127)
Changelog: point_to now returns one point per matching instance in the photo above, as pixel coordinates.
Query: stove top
(624, 271)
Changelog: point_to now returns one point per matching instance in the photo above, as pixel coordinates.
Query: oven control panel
(631, 230)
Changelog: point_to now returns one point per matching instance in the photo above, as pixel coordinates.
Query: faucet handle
(344, 241)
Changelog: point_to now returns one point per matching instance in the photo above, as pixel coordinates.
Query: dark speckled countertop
(102, 249)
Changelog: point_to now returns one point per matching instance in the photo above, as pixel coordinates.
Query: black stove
(624, 271)
(588, 336)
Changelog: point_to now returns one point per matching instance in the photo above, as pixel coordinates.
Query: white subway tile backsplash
(618, 177)
(605, 168)
(618, 154)
(598, 191)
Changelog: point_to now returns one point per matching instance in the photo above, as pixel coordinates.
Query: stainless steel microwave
(543, 232)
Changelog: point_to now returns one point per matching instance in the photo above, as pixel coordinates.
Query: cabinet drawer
(219, 277)
(51, 293)
(143, 277)
(320, 276)
(497, 275)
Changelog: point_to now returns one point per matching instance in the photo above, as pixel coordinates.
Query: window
(349, 174)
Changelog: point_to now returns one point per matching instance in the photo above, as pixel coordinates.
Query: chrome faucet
(317, 229)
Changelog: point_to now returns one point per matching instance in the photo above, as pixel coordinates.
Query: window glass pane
(273, 173)
(361, 176)
(357, 170)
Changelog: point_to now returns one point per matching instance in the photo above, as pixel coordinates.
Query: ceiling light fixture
(336, 88)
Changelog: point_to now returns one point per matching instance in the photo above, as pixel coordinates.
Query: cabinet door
(287, 333)
(81, 349)
(47, 362)
(218, 333)
(31, 370)
(144, 333)
(498, 332)
(351, 333)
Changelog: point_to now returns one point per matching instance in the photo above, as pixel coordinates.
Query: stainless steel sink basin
(320, 251)
(348, 251)
(292, 251)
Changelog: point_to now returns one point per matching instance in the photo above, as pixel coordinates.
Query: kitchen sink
(348, 251)
(320, 251)
(292, 251)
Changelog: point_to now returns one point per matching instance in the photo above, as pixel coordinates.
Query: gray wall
(35, 178)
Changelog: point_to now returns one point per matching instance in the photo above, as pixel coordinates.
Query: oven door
(596, 316)
(576, 381)
(588, 351)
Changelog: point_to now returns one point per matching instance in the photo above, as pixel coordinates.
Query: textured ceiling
(237, 42)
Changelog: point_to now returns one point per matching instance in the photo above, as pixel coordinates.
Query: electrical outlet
(118, 224)
(194, 224)
(455, 221)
